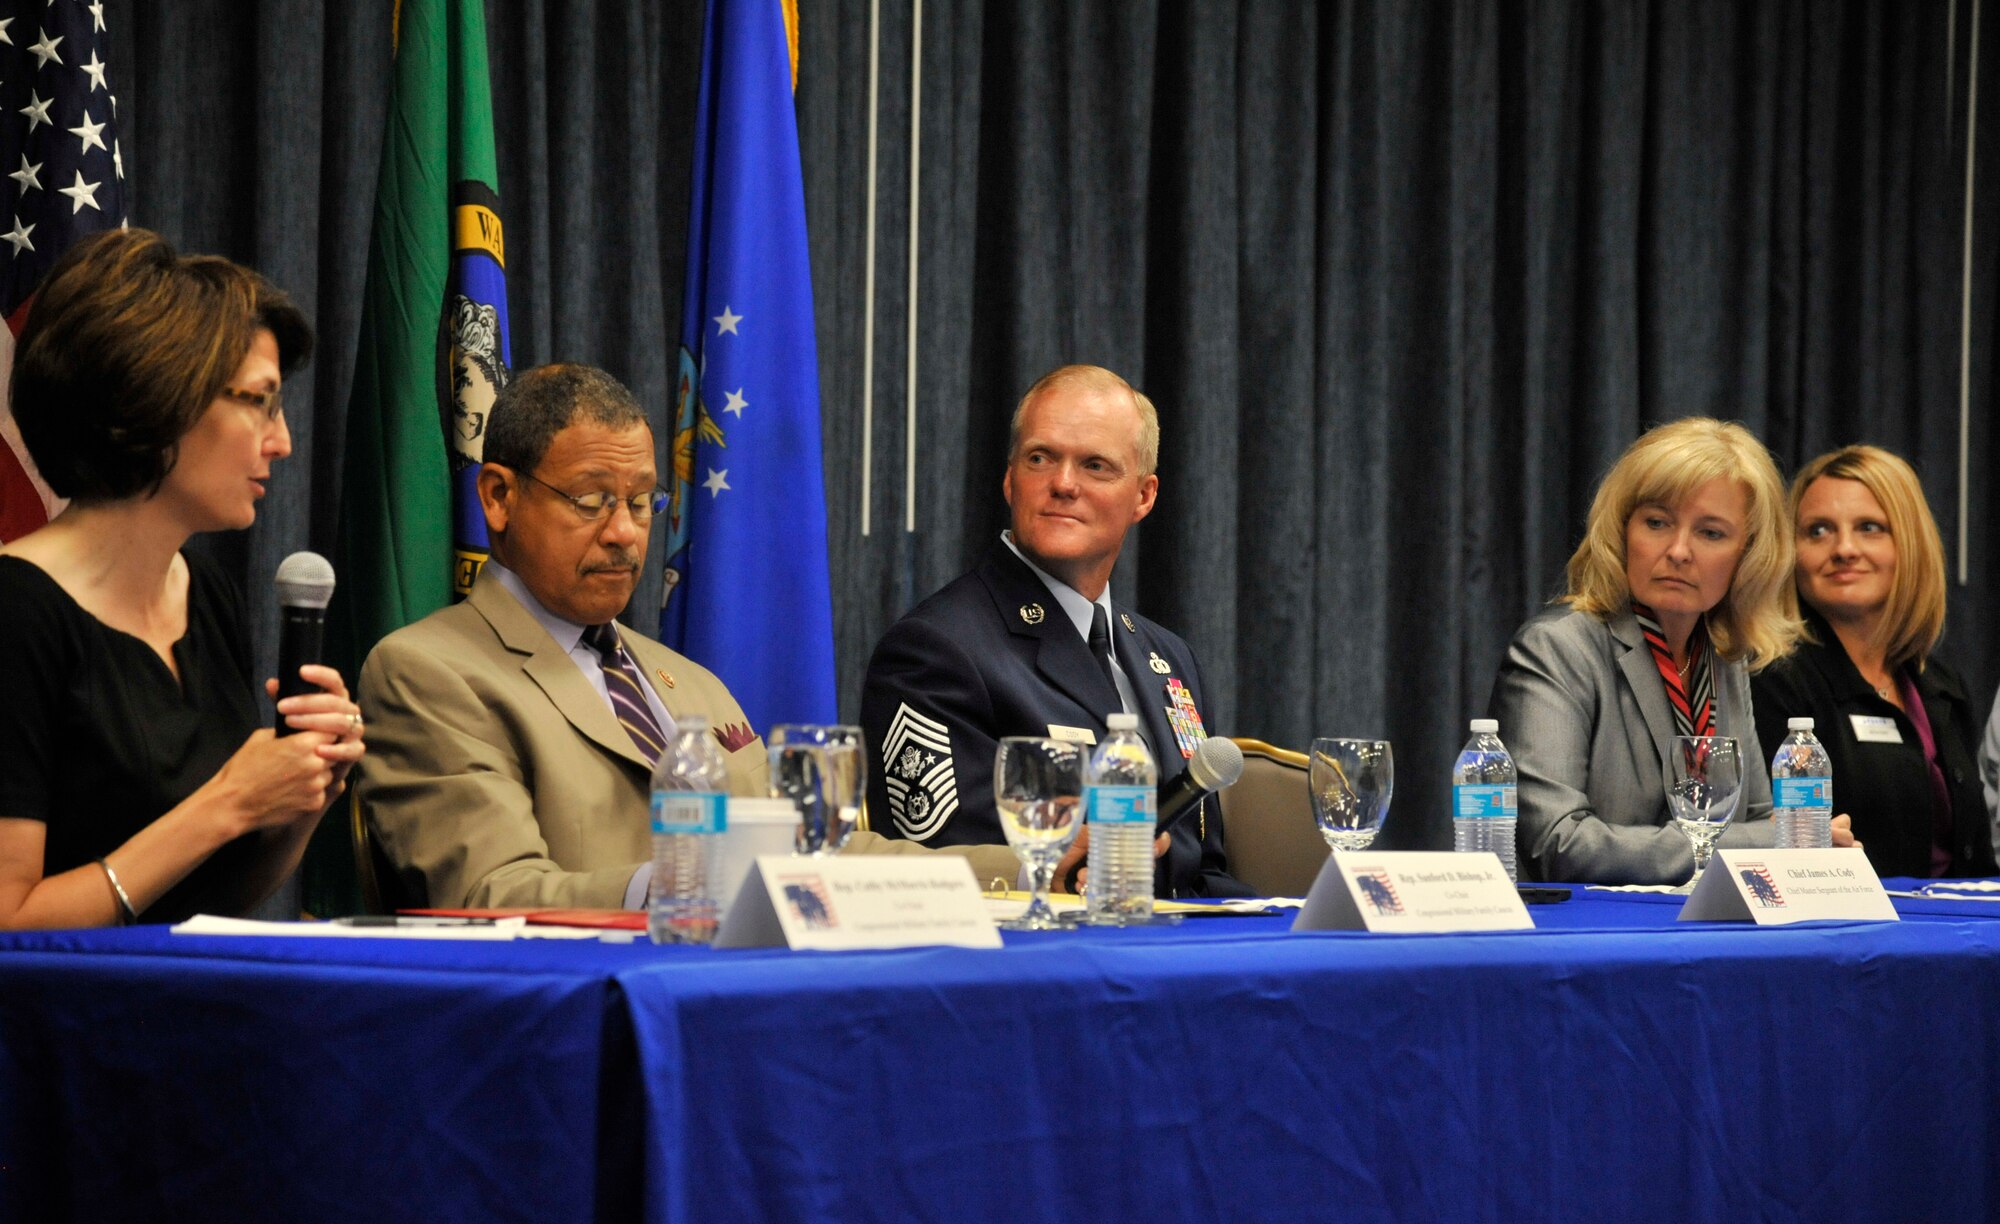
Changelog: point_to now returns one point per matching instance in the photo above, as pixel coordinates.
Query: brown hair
(1913, 619)
(1755, 620)
(126, 346)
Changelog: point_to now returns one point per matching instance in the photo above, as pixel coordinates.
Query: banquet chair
(1268, 833)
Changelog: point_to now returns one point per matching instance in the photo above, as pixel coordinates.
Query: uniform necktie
(628, 699)
(1100, 645)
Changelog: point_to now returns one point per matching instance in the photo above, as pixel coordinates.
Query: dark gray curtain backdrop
(1402, 278)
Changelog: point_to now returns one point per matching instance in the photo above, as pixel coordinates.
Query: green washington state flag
(433, 354)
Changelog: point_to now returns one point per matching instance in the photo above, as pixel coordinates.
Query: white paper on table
(210, 924)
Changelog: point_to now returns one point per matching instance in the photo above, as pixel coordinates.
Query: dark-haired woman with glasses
(135, 780)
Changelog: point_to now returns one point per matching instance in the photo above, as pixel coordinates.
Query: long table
(1609, 1064)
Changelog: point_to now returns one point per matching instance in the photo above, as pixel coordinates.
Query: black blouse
(1886, 788)
(97, 737)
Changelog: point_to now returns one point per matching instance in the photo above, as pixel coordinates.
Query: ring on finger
(353, 722)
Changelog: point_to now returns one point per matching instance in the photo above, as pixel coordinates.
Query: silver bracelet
(127, 916)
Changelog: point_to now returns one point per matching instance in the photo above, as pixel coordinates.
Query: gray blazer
(1582, 708)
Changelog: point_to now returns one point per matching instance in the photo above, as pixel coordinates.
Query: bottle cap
(1486, 726)
(1122, 722)
(1798, 724)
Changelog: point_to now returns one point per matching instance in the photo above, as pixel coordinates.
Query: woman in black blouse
(1895, 720)
(134, 779)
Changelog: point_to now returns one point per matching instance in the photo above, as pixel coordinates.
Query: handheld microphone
(305, 584)
(1215, 764)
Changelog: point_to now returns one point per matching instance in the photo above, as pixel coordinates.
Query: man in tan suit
(509, 759)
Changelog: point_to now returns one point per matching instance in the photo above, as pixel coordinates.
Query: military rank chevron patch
(917, 772)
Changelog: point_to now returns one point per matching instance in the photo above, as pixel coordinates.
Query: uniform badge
(1159, 665)
(1031, 614)
(1184, 718)
(665, 679)
(1125, 618)
(917, 772)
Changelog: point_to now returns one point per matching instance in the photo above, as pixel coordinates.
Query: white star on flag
(736, 403)
(19, 236)
(45, 50)
(5, 37)
(95, 71)
(29, 177)
(117, 160)
(37, 110)
(725, 323)
(96, 15)
(715, 483)
(80, 193)
(90, 133)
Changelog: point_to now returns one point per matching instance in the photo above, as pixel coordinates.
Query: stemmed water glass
(808, 770)
(847, 774)
(1707, 780)
(1038, 788)
(1351, 781)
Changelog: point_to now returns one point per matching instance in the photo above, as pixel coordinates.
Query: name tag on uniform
(1072, 735)
(1875, 729)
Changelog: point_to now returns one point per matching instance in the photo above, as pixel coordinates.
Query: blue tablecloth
(1610, 1064)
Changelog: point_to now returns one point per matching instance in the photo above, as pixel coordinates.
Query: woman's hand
(1843, 831)
(271, 781)
(330, 712)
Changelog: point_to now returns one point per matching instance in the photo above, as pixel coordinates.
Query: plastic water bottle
(1484, 799)
(1802, 790)
(688, 821)
(1120, 793)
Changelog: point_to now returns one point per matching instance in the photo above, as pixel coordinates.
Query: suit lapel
(1135, 655)
(1651, 739)
(1061, 655)
(558, 676)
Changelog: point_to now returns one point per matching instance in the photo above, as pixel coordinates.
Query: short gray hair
(538, 404)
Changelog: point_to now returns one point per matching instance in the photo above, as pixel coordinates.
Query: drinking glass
(1707, 780)
(1351, 781)
(847, 770)
(1038, 787)
(803, 771)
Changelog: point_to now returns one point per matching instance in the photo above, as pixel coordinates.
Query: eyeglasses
(272, 402)
(595, 505)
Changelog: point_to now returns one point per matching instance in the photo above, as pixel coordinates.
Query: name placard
(865, 901)
(1773, 887)
(1410, 890)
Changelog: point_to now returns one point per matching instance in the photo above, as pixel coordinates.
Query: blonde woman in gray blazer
(1689, 527)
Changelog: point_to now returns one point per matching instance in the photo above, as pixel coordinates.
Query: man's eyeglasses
(272, 402)
(595, 505)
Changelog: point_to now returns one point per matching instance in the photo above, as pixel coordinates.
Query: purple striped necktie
(628, 699)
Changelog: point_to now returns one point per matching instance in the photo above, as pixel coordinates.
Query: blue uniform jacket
(993, 655)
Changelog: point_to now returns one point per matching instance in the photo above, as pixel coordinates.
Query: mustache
(617, 562)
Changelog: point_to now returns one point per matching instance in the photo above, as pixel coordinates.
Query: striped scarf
(1694, 700)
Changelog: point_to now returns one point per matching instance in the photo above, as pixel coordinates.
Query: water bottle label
(1802, 793)
(1485, 802)
(689, 812)
(1119, 804)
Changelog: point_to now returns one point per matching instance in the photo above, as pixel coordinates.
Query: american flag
(1757, 878)
(64, 177)
(1380, 890)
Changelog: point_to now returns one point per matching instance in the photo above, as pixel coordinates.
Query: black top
(1886, 788)
(98, 739)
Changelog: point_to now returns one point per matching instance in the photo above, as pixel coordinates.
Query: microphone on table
(1216, 763)
(305, 584)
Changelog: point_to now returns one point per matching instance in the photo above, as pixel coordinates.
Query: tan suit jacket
(497, 776)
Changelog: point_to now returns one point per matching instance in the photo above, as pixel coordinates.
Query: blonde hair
(1755, 620)
(1913, 618)
(1094, 378)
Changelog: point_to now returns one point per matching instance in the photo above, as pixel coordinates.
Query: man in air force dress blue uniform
(1029, 642)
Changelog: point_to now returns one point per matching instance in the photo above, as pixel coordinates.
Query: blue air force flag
(746, 581)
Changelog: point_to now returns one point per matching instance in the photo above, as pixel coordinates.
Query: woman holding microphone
(1870, 584)
(135, 780)
(1675, 594)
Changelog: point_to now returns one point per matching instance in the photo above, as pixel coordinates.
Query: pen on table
(411, 920)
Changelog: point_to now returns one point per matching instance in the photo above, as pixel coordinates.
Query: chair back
(371, 868)
(1268, 833)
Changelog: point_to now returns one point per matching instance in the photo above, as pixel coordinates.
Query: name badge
(1409, 890)
(1774, 887)
(1072, 735)
(858, 901)
(1875, 729)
